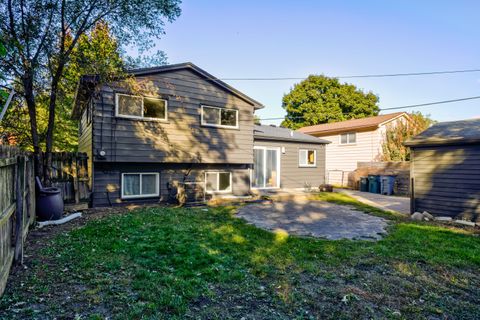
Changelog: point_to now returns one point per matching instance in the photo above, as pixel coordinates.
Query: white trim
(125, 116)
(157, 186)
(306, 165)
(279, 155)
(229, 190)
(220, 118)
(348, 138)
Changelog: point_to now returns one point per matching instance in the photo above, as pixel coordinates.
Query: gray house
(445, 168)
(179, 124)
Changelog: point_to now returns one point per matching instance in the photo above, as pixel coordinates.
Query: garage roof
(448, 133)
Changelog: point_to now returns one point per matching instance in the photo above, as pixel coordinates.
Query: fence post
(20, 184)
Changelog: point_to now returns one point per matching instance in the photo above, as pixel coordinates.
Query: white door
(266, 167)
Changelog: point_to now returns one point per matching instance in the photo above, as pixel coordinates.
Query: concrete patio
(314, 218)
(392, 203)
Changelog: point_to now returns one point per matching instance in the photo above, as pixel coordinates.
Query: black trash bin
(49, 204)
(364, 184)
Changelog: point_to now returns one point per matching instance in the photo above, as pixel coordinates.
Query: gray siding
(291, 175)
(447, 180)
(181, 139)
(108, 180)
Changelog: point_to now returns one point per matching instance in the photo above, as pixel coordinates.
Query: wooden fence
(17, 197)
(17, 207)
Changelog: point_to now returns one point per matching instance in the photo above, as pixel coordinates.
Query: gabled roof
(448, 133)
(354, 124)
(262, 132)
(87, 82)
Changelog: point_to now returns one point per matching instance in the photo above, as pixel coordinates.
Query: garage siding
(447, 180)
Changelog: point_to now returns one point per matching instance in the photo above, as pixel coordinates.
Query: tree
(97, 53)
(41, 35)
(320, 99)
(396, 134)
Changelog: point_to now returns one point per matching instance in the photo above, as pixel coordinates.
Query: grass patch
(179, 263)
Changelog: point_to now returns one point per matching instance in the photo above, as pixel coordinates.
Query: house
(353, 141)
(445, 168)
(179, 124)
(284, 158)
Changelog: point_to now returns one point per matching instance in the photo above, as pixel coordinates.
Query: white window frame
(229, 190)
(306, 165)
(278, 149)
(126, 116)
(202, 122)
(157, 186)
(348, 138)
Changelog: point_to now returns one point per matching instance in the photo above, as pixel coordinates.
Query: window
(218, 181)
(139, 185)
(348, 138)
(219, 117)
(141, 107)
(307, 158)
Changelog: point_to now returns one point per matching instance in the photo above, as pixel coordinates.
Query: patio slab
(392, 203)
(316, 219)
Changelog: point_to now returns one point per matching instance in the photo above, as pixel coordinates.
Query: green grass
(177, 263)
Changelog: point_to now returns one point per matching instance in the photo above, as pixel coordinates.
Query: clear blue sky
(298, 38)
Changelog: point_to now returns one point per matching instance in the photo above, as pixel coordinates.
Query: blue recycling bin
(386, 185)
(374, 184)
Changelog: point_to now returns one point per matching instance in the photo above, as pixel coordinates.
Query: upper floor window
(219, 117)
(307, 158)
(139, 107)
(348, 138)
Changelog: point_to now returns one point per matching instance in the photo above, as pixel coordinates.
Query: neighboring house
(287, 159)
(182, 126)
(445, 168)
(353, 141)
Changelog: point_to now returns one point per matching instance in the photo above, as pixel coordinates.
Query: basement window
(138, 107)
(218, 182)
(140, 185)
(219, 117)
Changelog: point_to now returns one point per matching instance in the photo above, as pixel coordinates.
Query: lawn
(194, 263)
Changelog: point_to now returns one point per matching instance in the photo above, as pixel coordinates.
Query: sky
(245, 39)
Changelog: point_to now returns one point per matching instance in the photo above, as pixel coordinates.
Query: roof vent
(272, 125)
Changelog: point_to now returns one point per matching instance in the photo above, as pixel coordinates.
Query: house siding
(107, 187)
(85, 138)
(181, 139)
(447, 180)
(291, 175)
(341, 160)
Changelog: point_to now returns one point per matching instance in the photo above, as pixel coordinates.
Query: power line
(409, 74)
(402, 107)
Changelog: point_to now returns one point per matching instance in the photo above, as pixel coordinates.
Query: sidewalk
(392, 203)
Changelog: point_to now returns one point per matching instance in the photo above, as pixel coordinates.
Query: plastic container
(386, 185)
(374, 184)
(364, 184)
(49, 205)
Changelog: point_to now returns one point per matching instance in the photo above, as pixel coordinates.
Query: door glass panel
(271, 172)
(258, 174)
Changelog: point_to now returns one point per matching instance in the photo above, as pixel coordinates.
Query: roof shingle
(262, 132)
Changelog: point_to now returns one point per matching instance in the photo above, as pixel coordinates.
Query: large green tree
(320, 99)
(41, 35)
(399, 132)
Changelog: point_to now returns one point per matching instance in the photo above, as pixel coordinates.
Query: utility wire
(401, 107)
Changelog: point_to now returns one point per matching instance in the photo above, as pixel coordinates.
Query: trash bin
(364, 184)
(49, 205)
(374, 184)
(386, 185)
